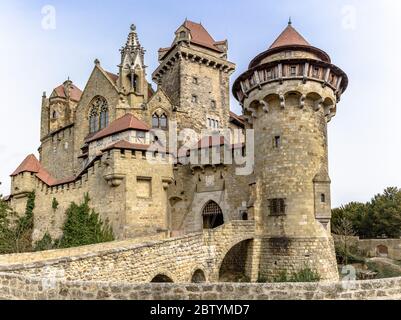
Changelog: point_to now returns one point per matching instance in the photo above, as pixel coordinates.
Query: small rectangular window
(195, 80)
(293, 70)
(277, 142)
(194, 99)
(323, 198)
(213, 104)
(277, 207)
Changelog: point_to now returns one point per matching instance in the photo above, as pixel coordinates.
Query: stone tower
(194, 72)
(289, 93)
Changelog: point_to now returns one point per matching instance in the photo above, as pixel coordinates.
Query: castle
(176, 161)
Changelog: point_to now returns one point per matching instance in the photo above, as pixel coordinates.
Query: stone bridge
(196, 257)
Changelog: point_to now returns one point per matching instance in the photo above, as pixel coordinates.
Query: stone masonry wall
(14, 287)
(134, 260)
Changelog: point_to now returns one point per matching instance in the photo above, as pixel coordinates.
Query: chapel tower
(132, 71)
(289, 93)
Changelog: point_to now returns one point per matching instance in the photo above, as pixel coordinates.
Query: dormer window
(183, 35)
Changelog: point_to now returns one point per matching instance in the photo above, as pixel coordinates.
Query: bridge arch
(161, 277)
(234, 259)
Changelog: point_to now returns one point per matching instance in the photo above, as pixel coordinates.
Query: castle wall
(125, 189)
(20, 287)
(57, 153)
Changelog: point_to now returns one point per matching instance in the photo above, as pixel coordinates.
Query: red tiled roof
(199, 35)
(123, 144)
(129, 121)
(151, 92)
(289, 37)
(240, 119)
(75, 92)
(31, 164)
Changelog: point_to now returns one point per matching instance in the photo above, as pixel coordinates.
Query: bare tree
(343, 229)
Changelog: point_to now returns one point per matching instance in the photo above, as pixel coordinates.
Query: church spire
(132, 53)
(132, 69)
(132, 40)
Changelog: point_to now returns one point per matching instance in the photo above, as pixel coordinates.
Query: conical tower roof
(290, 39)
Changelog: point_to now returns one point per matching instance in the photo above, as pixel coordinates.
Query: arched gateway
(212, 215)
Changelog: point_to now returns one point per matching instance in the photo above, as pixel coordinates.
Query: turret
(289, 94)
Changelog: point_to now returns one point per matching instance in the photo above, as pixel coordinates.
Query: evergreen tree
(83, 226)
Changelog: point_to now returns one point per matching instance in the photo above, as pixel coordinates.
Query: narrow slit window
(323, 198)
(277, 142)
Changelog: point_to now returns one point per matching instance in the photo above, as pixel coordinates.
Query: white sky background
(362, 37)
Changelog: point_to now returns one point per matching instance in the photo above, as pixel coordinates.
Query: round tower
(289, 93)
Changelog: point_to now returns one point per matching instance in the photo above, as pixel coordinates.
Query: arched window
(163, 121)
(212, 216)
(155, 121)
(159, 122)
(98, 114)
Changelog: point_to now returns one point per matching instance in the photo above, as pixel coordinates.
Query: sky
(44, 42)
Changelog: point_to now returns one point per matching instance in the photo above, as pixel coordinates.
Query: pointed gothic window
(163, 121)
(155, 121)
(98, 114)
(159, 122)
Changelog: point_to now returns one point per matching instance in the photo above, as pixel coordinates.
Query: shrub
(83, 227)
(305, 275)
(46, 243)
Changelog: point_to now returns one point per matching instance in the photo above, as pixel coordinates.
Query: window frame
(277, 207)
